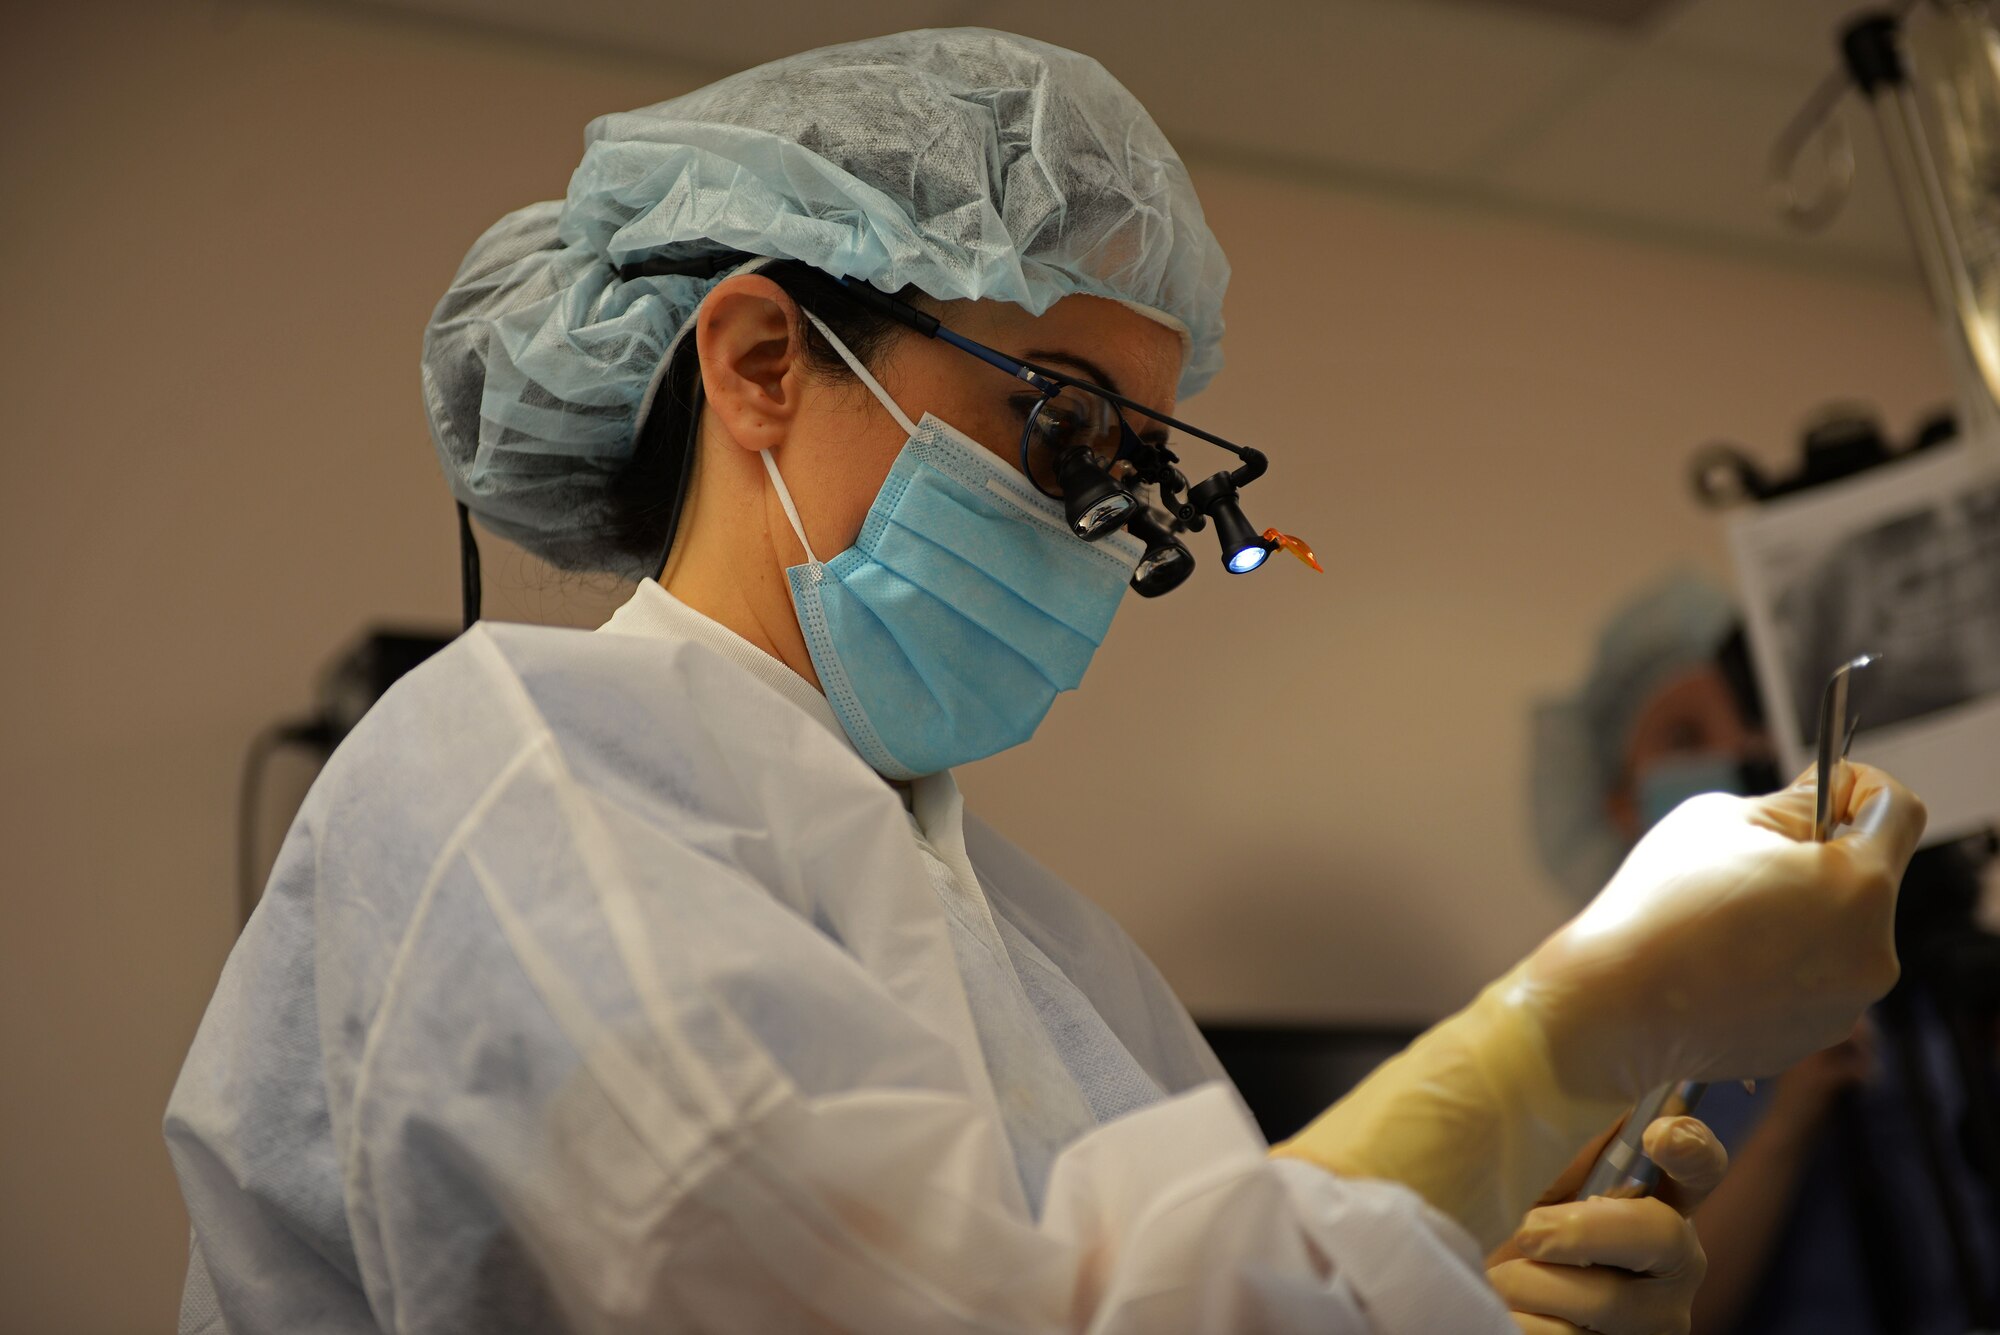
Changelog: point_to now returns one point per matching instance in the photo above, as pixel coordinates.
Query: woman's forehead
(1128, 352)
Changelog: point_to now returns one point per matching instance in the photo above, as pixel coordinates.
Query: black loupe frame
(1190, 507)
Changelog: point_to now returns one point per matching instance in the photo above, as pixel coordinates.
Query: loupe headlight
(1243, 548)
(1167, 562)
(1092, 502)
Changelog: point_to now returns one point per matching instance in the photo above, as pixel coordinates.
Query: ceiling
(1647, 117)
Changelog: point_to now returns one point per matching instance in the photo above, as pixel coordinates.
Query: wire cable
(469, 591)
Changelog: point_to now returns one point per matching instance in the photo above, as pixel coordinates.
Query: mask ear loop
(861, 374)
(791, 511)
(881, 396)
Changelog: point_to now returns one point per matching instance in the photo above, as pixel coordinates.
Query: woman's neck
(726, 566)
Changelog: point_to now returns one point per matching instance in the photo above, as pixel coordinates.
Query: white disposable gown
(600, 986)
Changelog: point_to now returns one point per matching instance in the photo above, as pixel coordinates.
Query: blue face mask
(1666, 784)
(963, 608)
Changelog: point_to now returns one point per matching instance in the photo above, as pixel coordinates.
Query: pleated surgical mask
(964, 607)
(1667, 783)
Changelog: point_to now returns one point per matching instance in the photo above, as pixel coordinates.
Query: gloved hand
(1728, 945)
(1621, 1267)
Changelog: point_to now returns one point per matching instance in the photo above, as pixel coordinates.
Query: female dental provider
(655, 979)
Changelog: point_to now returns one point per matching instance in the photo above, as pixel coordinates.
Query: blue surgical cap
(1579, 743)
(967, 163)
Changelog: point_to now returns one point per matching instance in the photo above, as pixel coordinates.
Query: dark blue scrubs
(1840, 1259)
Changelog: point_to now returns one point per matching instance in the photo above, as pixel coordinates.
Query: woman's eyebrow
(1097, 374)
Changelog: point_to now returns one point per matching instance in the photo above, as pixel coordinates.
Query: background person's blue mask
(965, 605)
(1666, 784)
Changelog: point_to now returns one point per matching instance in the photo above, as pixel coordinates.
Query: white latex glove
(1729, 945)
(1619, 1267)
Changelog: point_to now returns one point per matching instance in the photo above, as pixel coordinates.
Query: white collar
(652, 611)
(936, 805)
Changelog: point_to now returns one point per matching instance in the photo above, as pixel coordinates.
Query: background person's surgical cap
(969, 163)
(1579, 743)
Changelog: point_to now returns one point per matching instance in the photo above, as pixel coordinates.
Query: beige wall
(223, 228)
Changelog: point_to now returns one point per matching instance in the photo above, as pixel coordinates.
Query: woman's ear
(751, 339)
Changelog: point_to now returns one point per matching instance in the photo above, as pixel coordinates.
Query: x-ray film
(1903, 560)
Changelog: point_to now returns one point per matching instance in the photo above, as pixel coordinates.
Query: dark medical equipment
(1291, 1073)
(1842, 443)
(348, 688)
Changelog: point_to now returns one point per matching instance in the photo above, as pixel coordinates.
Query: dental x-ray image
(1921, 587)
(1901, 561)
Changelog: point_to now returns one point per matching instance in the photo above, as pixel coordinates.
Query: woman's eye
(1687, 735)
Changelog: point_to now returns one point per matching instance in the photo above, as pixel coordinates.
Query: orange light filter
(1296, 546)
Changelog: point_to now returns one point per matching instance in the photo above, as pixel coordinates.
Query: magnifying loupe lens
(1167, 562)
(1093, 503)
(1065, 422)
(1099, 518)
